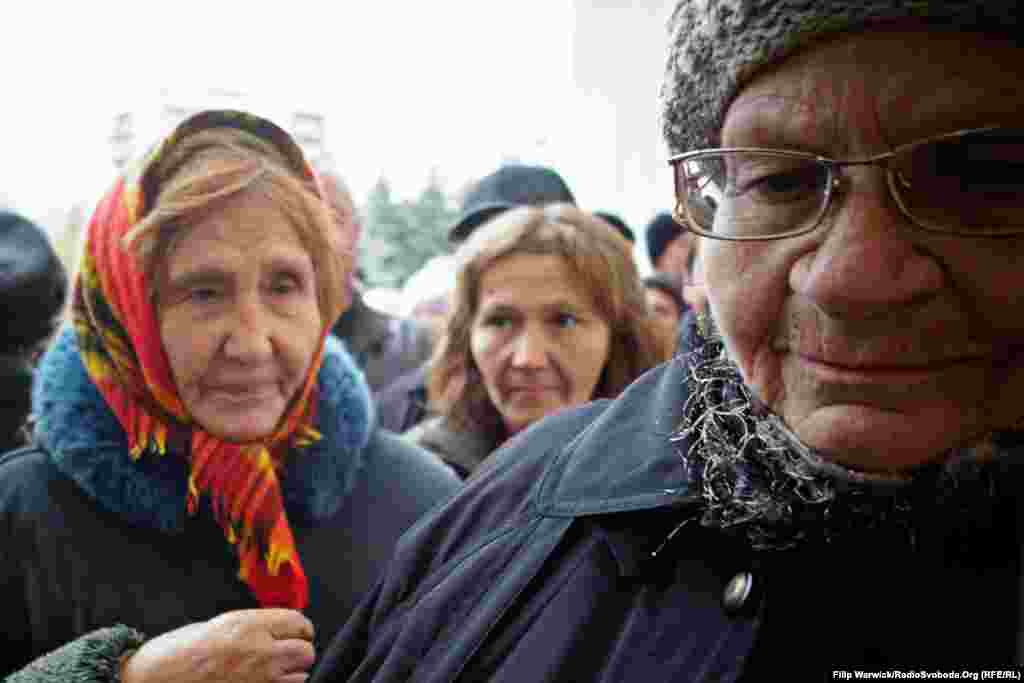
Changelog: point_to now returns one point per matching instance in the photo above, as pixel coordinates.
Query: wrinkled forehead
(531, 281)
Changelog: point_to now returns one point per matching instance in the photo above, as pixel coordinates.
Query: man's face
(676, 256)
(663, 307)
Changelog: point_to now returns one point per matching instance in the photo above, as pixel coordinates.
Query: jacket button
(738, 592)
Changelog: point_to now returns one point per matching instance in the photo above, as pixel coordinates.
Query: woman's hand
(254, 645)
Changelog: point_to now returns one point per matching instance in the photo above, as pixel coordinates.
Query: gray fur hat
(715, 46)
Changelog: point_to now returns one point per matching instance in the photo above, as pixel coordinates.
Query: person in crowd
(616, 222)
(669, 246)
(206, 463)
(665, 301)
(426, 294)
(548, 313)
(831, 479)
(384, 347)
(33, 286)
(405, 404)
(426, 299)
(511, 185)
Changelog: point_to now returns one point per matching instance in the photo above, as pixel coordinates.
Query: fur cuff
(92, 658)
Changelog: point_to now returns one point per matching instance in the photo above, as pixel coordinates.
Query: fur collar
(86, 442)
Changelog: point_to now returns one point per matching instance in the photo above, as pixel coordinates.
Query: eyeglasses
(969, 183)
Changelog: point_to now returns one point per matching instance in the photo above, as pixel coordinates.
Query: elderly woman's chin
(240, 419)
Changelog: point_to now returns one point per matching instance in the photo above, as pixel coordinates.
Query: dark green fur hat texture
(715, 46)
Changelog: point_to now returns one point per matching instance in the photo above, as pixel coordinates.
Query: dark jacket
(557, 563)
(404, 403)
(15, 404)
(384, 347)
(93, 539)
(463, 450)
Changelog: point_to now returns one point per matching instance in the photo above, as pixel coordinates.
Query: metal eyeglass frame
(681, 212)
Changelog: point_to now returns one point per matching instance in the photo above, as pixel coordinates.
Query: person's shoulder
(525, 495)
(616, 454)
(26, 476)
(462, 449)
(26, 462)
(418, 472)
(498, 498)
(600, 441)
(527, 455)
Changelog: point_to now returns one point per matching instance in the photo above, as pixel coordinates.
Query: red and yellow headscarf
(122, 351)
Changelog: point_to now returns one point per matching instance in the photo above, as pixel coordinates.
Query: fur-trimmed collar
(86, 442)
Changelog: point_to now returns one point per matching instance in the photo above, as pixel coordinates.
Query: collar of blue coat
(626, 458)
(86, 442)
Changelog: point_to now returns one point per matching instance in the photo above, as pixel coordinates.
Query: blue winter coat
(93, 539)
(556, 563)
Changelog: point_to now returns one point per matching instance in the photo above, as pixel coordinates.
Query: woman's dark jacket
(92, 539)
(384, 347)
(461, 449)
(557, 563)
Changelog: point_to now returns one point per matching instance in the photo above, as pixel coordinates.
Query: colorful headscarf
(123, 354)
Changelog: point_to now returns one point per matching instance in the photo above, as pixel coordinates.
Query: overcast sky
(406, 87)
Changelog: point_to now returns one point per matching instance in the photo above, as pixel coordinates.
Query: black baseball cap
(510, 186)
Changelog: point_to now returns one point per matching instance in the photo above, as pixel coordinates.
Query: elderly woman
(548, 313)
(831, 479)
(202, 449)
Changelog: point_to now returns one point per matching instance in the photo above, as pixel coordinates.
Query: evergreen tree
(402, 236)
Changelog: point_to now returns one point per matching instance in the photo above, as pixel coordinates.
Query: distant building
(136, 128)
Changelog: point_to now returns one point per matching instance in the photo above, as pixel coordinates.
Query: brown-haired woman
(204, 450)
(548, 313)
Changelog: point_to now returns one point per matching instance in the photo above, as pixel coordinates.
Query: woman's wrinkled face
(239, 318)
(537, 339)
(878, 343)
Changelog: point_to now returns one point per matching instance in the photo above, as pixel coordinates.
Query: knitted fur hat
(715, 46)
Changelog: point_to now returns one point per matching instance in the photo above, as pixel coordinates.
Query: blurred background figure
(384, 347)
(665, 301)
(669, 246)
(426, 299)
(674, 252)
(510, 186)
(616, 222)
(427, 293)
(548, 313)
(33, 286)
